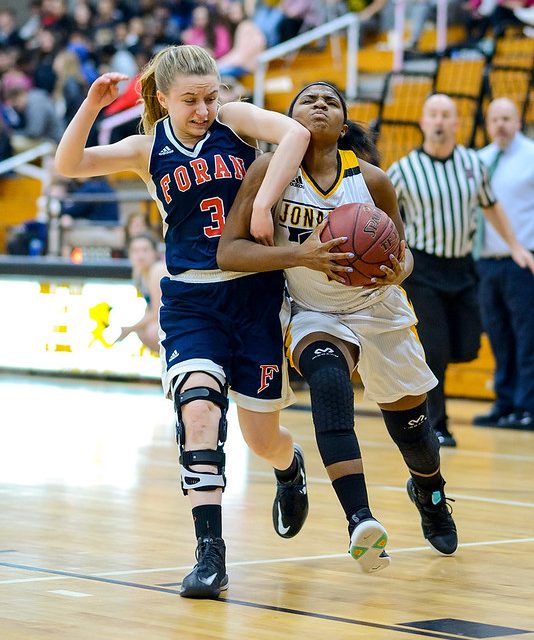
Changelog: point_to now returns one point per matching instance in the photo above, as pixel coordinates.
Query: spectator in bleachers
(297, 16)
(119, 60)
(32, 117)
(9, 35)
(107, 16)
(182, 11)
(147, 270)
(506, 288)
(208, 31)
(82, 17)
(138, 222)
(55, 17)
(419, 11)
(82, 47)
(248, 42)
(70, 88)
(8, 59)
(136, 30)
(32, 24)
(495, 14)
(268, 16)
(44, 47)
(369, 13)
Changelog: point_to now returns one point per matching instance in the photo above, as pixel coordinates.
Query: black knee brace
(325, 369)
(415, 438)
(201, 481)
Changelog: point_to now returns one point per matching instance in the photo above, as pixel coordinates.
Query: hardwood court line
(390, 446)
(242, 603)
(461, 496)
(63, 575)
(389, 487)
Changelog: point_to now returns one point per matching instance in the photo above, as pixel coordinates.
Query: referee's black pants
(444, 295)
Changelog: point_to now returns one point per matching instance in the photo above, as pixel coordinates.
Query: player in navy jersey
(335, 328)
(217, 330)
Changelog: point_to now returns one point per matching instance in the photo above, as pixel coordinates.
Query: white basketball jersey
(302, 207)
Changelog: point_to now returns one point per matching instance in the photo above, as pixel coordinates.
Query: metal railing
(109, 123)
(20, 162)
(349, 21)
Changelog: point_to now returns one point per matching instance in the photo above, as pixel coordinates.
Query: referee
(439, 188)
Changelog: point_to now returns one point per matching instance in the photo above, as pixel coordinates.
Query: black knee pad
(325, 369)
(415, 438)
(201, 481)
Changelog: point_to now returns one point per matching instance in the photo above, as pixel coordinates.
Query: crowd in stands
(49, 58)
(54, 50)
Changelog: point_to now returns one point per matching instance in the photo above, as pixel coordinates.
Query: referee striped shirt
(439, 199)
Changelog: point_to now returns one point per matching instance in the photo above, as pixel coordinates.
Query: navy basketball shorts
(233, 329)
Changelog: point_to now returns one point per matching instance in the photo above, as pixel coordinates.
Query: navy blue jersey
(194, 190)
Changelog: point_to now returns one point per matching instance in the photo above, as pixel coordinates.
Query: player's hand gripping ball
(371, 235)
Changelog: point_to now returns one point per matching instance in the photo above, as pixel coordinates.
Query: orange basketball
(371, 235)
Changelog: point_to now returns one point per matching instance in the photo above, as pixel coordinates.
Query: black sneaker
(208, 577)
(436, 519)
(290, 506)
(492, 418)
(445, 437)
(368, 539)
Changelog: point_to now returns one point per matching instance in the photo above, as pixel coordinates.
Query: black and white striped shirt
(439, 198)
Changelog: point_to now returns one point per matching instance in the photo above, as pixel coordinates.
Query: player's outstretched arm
(75, 161)
(238, 251)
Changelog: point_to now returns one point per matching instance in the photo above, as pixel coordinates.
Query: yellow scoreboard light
(71, 328)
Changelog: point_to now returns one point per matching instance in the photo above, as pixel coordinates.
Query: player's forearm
(245, 255)
(70, 151)
(282, 168)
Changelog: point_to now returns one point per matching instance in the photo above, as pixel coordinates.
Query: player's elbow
(64, 167)
(300, 134)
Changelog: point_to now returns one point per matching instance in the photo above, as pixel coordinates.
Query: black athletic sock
(418, 444)
(208, 520)
(433, 483)
(352, 493)
(286, 475)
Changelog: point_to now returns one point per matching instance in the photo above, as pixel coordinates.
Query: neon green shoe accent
(381, 542)
(357, 552)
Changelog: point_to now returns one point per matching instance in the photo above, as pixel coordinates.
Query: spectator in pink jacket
(208, 31)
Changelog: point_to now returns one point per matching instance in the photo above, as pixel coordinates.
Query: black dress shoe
(445, 437)
(521, 420)
(494, 418)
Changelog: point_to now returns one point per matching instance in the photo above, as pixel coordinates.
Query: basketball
(371, 235)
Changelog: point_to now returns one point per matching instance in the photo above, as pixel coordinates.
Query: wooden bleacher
(18, 203)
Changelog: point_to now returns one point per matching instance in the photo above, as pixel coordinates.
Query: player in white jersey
(336, 328)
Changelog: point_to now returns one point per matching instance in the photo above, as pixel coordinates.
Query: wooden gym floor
(95, 535)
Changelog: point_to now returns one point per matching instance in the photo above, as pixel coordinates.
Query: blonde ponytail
(162, 71)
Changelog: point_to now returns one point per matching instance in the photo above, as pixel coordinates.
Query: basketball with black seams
(371, 235)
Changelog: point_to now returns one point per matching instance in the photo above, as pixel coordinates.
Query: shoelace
(443, 510)
(208, 553)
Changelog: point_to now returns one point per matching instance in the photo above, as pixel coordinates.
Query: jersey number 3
(215, 207)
